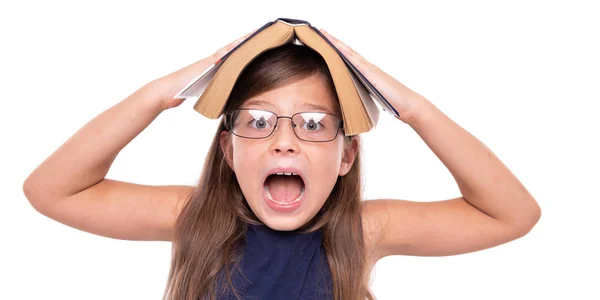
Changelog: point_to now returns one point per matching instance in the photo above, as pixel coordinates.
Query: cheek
(329, 159)
(246, 159)
(328, 163)
(325, 168)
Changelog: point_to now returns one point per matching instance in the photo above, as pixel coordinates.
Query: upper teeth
(285, 173)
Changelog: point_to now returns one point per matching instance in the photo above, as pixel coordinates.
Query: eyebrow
(307, 105)
(317, 107)
(259, 103)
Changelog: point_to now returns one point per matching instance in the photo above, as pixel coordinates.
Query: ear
(350, 152)
(226, 148)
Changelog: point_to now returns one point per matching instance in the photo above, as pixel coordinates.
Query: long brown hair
(211, 226)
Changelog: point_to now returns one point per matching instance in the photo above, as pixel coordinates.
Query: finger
(238, 41)
(339, 44)
(221, 52)
(332, 38)
(346, 49)
(201, 65)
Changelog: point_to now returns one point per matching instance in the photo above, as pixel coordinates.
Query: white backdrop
(521, 76)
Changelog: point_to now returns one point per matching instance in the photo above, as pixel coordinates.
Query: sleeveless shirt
(281, 265)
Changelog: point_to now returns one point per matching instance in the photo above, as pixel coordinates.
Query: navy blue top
(282, 265)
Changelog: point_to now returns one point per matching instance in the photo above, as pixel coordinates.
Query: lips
(284, 189)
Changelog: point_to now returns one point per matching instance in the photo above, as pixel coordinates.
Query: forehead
(311, 93)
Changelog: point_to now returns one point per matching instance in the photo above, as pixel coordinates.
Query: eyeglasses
(260, 124)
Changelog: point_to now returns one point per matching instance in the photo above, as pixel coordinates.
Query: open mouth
(284, 188)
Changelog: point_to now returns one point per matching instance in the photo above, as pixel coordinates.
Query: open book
(355, 92)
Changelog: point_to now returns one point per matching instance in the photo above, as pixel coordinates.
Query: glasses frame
(228, 122)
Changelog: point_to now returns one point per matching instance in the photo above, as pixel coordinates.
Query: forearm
(484, 181)
(85, 158)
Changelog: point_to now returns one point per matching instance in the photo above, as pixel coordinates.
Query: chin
(286, 222)
(283, 225)
(279, 221)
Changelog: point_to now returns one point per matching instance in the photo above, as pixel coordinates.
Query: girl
(278, 212)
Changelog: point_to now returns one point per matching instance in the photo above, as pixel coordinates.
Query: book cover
(197, 86)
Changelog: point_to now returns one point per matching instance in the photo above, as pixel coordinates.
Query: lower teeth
(270, 197)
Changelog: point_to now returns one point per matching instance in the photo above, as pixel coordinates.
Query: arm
(494, 208)
(70, 185)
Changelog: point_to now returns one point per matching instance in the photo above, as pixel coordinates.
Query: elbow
(28, 191)
(536, 215)
(529, 221)
(33, 196)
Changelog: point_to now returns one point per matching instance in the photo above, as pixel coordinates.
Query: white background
(521, 76)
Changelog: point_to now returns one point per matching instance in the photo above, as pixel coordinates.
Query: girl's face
(285, 202)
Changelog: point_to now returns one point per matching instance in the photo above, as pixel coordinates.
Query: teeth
(270, 197)
(285, 173)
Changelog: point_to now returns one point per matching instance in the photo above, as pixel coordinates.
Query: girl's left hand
(407, 102)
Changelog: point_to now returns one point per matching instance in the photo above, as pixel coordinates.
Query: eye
(311, 125)
(261, 123)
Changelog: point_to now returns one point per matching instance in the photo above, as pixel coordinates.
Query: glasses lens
(315, 126)
(253, 123)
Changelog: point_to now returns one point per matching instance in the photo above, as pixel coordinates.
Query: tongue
(284, 188)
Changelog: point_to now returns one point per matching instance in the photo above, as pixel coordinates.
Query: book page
(198, 85)
(370, 106)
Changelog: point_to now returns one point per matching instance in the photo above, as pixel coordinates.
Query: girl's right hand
(166, 87)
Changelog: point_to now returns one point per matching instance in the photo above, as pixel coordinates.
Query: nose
(284, 138)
